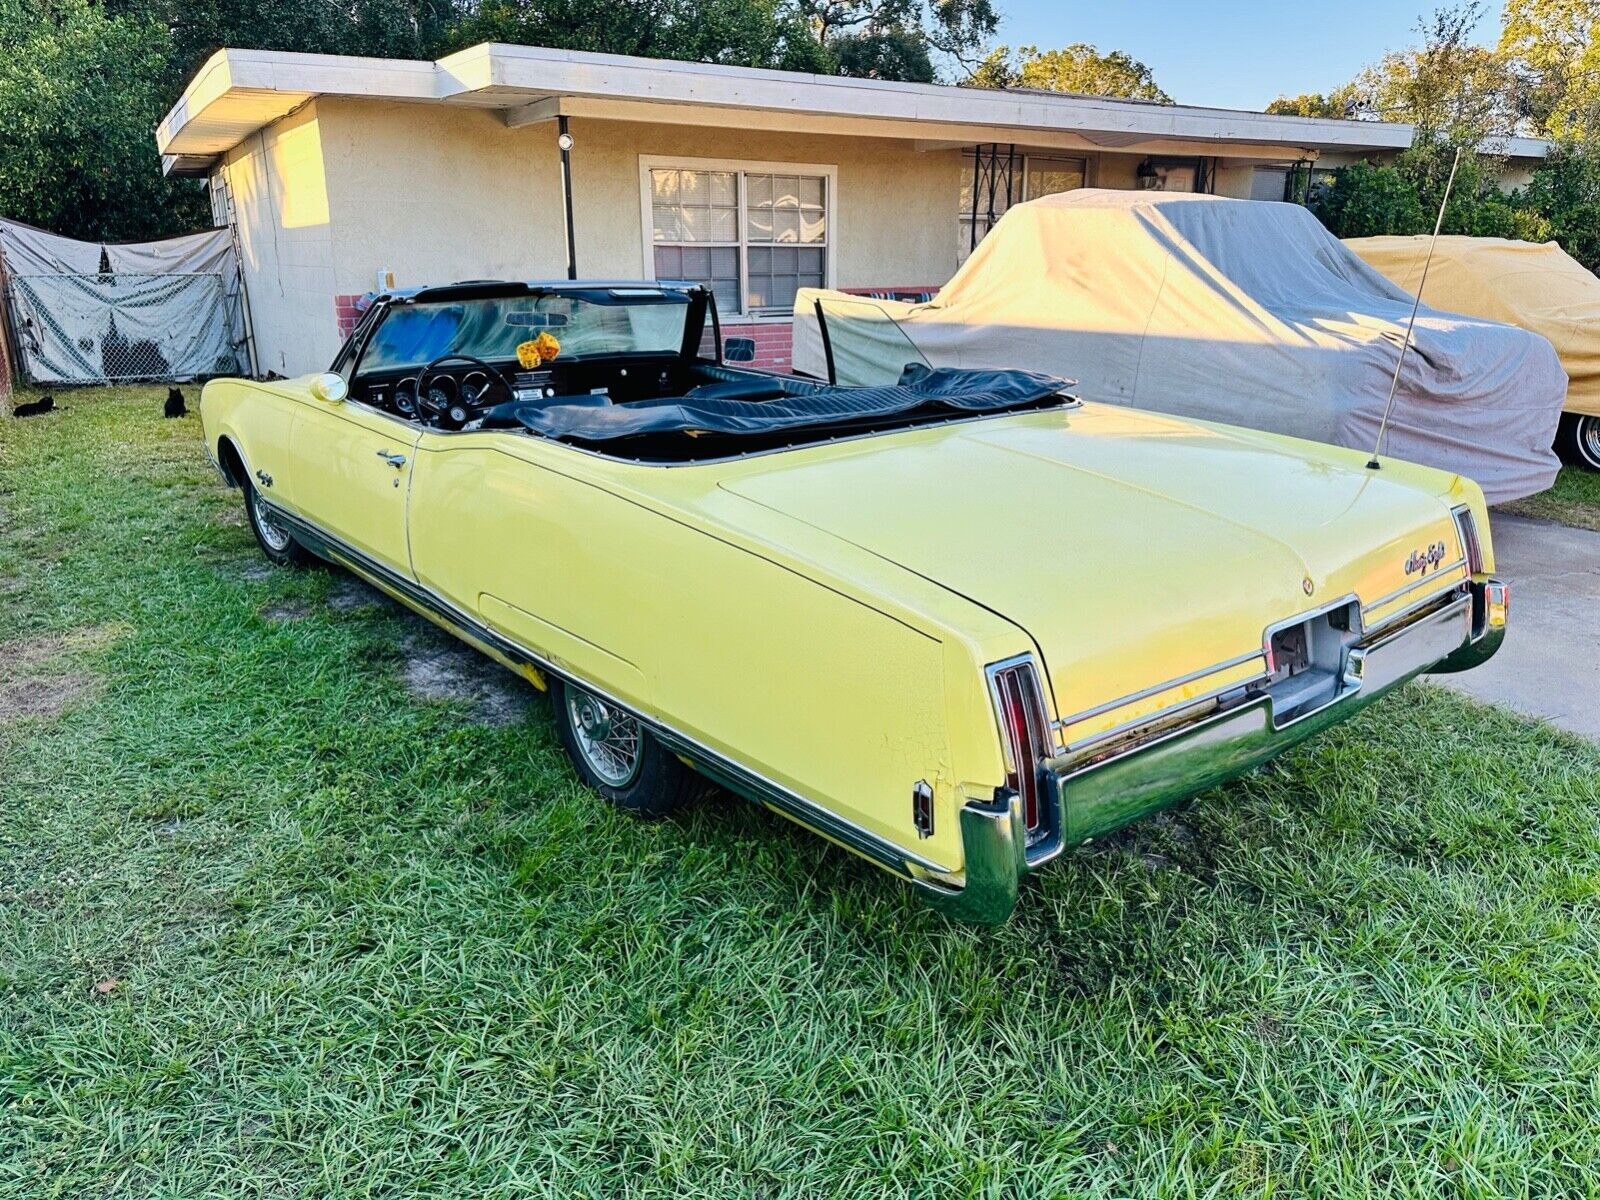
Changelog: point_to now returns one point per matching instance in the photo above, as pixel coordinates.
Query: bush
(1363, 200)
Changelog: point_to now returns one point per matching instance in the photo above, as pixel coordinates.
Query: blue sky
(1230, 53)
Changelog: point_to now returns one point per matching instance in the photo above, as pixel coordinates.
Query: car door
(353, 475)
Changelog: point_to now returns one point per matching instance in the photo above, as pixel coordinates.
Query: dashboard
(456, 393)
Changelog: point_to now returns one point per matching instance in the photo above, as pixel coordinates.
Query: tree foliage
(80, 91)
(1339, 104)
(1077, 68)
(1552, 49)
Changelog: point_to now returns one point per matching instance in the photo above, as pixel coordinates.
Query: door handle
(394, 460)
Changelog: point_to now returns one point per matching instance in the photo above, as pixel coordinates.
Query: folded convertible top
(919, 388)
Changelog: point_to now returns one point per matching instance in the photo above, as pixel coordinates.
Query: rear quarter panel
(817, 690)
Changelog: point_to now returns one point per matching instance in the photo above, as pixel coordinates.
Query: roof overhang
(238, 92)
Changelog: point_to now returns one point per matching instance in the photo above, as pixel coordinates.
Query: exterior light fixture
(565, 141)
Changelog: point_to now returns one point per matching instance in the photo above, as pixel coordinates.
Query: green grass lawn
(273, 925)
(1573, 500)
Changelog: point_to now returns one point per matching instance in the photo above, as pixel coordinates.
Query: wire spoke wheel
(273, 534)
(1589, 441)
(609, 739)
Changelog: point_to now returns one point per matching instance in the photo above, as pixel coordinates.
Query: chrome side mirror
(330, 387)
(738, 349)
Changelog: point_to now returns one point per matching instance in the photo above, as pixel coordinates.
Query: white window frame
(742, 167)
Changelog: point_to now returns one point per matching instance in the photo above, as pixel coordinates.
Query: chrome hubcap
(609, 739)
(1589, 440)
(273, 534)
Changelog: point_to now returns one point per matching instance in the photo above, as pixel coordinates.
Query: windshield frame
(701, 308)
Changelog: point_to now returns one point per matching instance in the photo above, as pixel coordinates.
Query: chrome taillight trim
(1020, 679)
(1471, 543)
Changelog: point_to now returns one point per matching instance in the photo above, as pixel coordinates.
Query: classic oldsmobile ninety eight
(955, 624)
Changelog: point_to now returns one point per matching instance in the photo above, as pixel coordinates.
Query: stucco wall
(281, 204)
(435, 194)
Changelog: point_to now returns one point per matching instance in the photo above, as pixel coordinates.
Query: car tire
(616, 756)
(276, 542)
(1578, 440)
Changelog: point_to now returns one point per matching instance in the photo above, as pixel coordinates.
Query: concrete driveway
(1550, 664)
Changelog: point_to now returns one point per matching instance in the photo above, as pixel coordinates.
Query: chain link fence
(122, 328)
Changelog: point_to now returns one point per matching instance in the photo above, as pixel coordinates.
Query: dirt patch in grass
(438, 668)
(350, 594)
(252, 568)
(288, 610)
(37, 678)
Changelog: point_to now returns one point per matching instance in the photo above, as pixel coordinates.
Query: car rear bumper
(1103, 788)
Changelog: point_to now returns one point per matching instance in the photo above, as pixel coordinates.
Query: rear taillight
(1025, 731)
(1471, 546)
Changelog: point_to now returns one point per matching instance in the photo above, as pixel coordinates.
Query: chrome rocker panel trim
(1233, 736)
(736, 777)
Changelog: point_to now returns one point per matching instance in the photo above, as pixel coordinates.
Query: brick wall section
(774, 343)
(346, 313)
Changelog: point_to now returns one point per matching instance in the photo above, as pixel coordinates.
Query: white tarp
(166, 310)
(1237, 311)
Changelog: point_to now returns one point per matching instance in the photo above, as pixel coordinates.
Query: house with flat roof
(343, 175)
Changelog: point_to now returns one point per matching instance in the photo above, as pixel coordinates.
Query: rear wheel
(276, 542)
(617, 756)
(1578, 440)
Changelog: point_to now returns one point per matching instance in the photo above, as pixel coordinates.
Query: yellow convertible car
(955, 624)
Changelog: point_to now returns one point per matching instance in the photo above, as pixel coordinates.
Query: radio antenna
(1405, 344)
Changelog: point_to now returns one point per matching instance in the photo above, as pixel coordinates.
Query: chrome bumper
(1099, 791)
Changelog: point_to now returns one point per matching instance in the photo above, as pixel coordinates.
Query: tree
(750, 33)
(1448, 87)
(80, 92)
(1338, 104)
(1078, 68)
(899, 39)
(1553, 49)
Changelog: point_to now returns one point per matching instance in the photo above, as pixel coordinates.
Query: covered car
(1538, 286)
(1243, 312)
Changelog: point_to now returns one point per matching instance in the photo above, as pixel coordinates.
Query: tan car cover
(1243, 312)
(1538, 286)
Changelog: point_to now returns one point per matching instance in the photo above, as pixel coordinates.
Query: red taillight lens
(1026, 730)
(1471, 546)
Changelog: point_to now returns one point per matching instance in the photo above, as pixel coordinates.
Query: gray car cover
(1238, 311)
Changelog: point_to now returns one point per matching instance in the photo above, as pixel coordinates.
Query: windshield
(863, 343)
(492, 327)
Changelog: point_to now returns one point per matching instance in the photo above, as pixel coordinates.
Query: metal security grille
(123, 327)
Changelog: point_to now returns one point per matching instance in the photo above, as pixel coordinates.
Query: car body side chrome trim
(1260, 655)
(1146, 693)
(1406, 589)
(735, 776)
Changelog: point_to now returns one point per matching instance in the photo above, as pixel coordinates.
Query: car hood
(1131, 547)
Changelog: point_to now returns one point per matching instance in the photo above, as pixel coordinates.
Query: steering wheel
(460, 410)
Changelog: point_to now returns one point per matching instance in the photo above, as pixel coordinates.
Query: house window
(754, 237)
(1032, 176)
